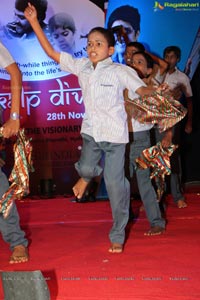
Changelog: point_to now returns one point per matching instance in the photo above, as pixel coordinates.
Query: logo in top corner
(158, 6)
(178, 6)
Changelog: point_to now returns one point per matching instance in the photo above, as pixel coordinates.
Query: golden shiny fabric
(156, 108)
(162, 109)
(19, 177)
(157, 159)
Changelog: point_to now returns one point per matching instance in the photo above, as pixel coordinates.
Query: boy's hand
(167, 138)
(163, 88)
(10, 128)
(30, 12)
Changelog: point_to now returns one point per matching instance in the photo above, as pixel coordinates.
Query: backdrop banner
(160, 24)
(51, 105)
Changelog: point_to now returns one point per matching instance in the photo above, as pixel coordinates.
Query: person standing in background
(131, 48)
(151, 69)
(10, 226)
(139, 140)
(180, 87)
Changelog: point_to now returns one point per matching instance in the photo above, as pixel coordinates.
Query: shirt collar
(102, 63)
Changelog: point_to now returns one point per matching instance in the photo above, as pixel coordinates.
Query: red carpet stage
(69, 244)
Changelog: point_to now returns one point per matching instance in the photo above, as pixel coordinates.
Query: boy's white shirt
(102, 89)
(176, 78)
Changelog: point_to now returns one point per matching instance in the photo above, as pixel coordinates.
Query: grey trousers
(10, 226)
(141, 141)
(117, 185)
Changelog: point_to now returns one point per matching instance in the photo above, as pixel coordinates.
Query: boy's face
(139, 63)
(128, 54)
(171, 59)
(64, 38)
(97, 48)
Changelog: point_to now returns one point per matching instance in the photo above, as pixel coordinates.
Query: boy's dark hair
(108, 35)
(147, 57)
(125, 13)
(62, 20)
(137, 45)
(175, 49)
(40, 6)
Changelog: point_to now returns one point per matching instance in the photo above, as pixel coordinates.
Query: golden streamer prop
(157, 159)
(19, 177)
(165, 111)
(159, 109)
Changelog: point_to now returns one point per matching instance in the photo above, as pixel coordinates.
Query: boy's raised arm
(12, 126)
(31, 15)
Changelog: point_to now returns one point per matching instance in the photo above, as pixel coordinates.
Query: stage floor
(69, 244)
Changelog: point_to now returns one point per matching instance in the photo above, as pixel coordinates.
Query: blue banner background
(162, 25)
